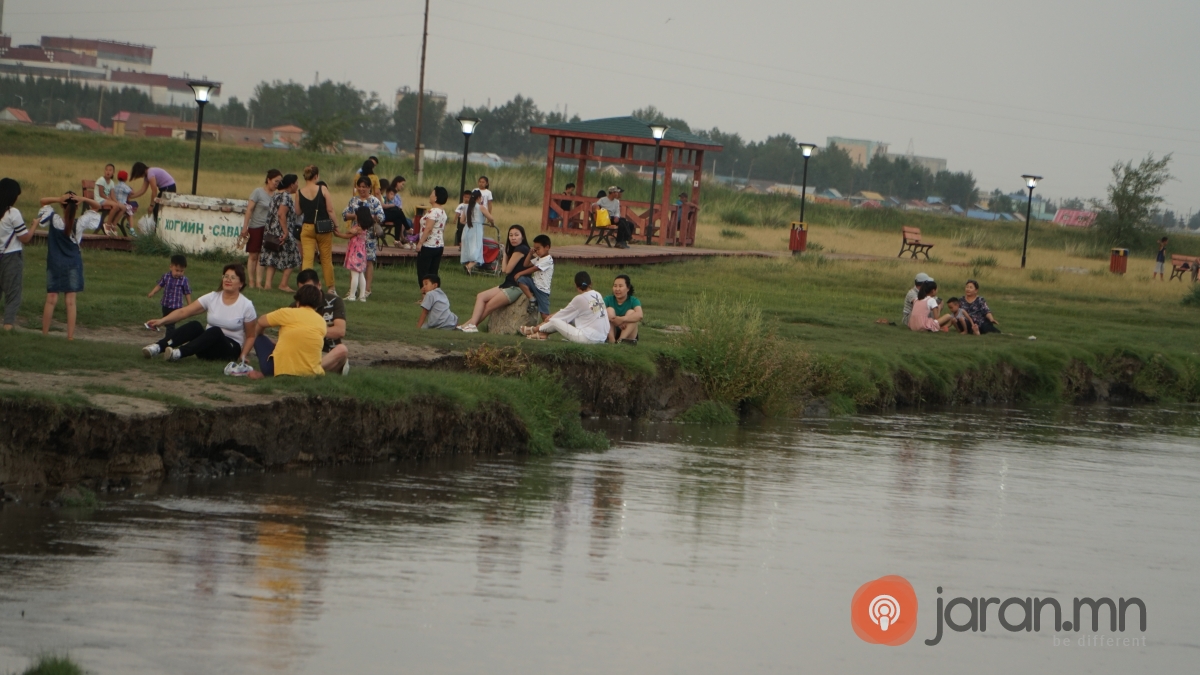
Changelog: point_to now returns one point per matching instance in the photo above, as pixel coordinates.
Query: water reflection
(682, 548)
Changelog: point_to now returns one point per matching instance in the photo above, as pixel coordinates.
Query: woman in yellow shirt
(301, 337)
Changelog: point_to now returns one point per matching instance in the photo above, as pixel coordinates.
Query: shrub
(732, 234)
(735, 214)
(51, 664)
(1048, 276)
(1192, 299)
(984, 261)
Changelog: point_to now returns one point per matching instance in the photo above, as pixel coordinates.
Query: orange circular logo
(884, 611)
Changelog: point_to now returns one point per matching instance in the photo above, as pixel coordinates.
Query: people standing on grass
(1160, 260)
(177, 291)
(258, 209)
(584, 320)
(355, 258)
(13, 237)
(506, 293)
(368, 171)
(316, 235)
(64, 262)
(433, 235)
(624, 312)
(230, 327)
(155, 180)
(475, 216)
(484, 185)
(978, 309)
(363, 198)
(281, 249)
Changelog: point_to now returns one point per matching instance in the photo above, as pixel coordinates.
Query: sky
(1062, 89)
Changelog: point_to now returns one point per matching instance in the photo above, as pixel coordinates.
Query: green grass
(52, 664)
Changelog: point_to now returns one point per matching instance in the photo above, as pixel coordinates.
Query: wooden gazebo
(671, 224)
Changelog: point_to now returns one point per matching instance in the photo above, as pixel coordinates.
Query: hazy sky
(1062, 89)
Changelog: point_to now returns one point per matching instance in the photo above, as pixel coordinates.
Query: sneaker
(235, 369)
(366, 295)
(533, 305)
(469, 328)
(632, 342)
(363, 299)
(171, 354)
(346, 368)
(350, 298)
(151, 350)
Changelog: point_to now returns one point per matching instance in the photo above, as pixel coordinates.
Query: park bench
(606, 235)
(1181, 264)
(89, 191)
(912, 243)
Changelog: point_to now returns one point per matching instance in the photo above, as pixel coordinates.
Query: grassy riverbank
(819, 338)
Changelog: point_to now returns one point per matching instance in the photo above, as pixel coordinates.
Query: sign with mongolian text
(199, 224)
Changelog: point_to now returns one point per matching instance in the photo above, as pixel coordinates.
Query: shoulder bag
(322, 224)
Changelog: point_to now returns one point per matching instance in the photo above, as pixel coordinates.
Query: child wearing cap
(911, 297)
(117, 201)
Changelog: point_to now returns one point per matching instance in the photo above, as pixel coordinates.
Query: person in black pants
(231, 324)
(433, 235)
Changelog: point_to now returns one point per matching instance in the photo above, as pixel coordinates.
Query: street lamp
(658, 131)
(806, 149)
(203, 90)
(1030, 182)
(468, 128)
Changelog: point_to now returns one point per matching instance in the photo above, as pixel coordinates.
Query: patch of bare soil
(133, 392)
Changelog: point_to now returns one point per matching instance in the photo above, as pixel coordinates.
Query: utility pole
(100, 108)
(419, 158)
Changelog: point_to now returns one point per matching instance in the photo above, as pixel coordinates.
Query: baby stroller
(493, 253)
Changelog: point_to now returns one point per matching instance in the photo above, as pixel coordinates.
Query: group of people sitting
(310, 329)
(969, 314)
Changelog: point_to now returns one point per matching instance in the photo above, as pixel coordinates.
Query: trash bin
(1118, 261)
(799, 240)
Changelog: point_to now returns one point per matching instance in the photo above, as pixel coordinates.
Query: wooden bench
(606, 235)
(89, 191)
(912, 243)
(1182, 264)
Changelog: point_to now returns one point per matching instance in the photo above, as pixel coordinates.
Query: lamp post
(1030, 182)
(658, 131)
(468, 128)
(806, 149)
(203, 90)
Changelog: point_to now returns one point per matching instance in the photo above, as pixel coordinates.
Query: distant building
(430, 95)
(165, 126)
(861, 152)
(934, 164)
(15, 115)
(96, 63)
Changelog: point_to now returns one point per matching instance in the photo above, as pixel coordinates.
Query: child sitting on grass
(926, 309)
(176, 290)
(959, 317)
(534, 280)
(435, 306)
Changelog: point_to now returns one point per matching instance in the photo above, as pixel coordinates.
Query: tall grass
(52, 664)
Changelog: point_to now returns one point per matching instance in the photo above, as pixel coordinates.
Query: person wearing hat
(611, 202)
(911, 297)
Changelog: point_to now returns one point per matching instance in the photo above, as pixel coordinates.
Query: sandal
(529, 330)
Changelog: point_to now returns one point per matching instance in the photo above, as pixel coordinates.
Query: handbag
(322, 225)
(602, 218)
(377, 230)
(272, 242)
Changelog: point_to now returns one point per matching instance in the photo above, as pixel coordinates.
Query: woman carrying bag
(317, 232)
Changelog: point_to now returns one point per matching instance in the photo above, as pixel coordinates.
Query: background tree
(323, 134)
(1000, 202)
(1133, 199)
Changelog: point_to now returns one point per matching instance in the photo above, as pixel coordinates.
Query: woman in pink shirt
(154, 179)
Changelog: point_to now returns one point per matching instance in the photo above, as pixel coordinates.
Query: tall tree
(1133, 197)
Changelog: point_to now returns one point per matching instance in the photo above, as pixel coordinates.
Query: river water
(680, 550)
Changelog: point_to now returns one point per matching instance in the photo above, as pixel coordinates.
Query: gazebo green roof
(624, 129)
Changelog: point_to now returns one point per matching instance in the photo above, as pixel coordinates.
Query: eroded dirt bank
(45, 444)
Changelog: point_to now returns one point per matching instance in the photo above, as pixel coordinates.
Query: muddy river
(680, 550)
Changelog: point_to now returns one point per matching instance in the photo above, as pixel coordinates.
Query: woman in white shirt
(230, 329)
(583, 320)
(13, 237)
